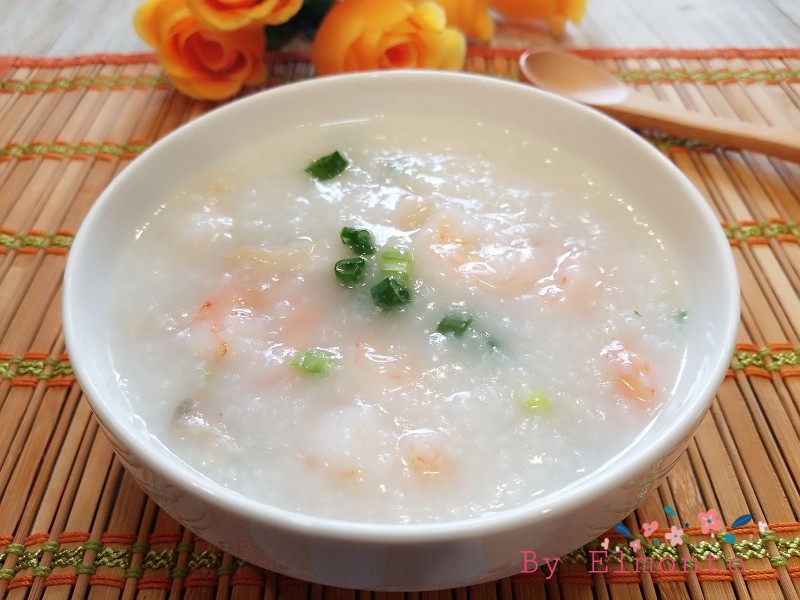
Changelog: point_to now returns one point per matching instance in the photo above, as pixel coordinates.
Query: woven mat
(74, 525)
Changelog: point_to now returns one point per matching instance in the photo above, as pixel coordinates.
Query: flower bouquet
(210, 49)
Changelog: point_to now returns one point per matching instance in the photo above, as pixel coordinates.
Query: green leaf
(305, 22)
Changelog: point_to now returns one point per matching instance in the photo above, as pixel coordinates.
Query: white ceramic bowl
(405, 557)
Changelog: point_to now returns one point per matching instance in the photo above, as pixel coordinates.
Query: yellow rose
(361, 35)
(236, 14)
(555, 13)
(470, 16)
(202, 63)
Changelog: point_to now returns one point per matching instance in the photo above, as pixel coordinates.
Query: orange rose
(361, 35)
(555, 13)
(202, 63)
(236, 14)
(470, 16)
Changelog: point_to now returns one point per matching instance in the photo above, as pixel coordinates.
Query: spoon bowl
(573, 77)
(580, 80)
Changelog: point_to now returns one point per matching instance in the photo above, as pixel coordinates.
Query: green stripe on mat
(34, 369)
(33, 241)
(718, 76)
(660, 75)
(28, 86)
(64, 150)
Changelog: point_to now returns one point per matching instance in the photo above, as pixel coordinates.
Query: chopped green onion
(328, 166)
(680, 315)
(360, 240)
(397, 262)
(350, 271)
(493, 343)
(536, 402)
(455, 323)
(314, 361)
(390, 293)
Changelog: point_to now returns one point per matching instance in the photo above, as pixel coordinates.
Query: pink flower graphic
(710, 521)
(649, 529)
(675, 536)
(635, 545)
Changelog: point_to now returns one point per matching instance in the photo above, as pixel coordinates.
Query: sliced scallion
(455, 323)
(328, 166)
(397, 262)
(360, 240)
(492, 343)
(314, 360)
(536, 402)
(390, 293)
(350, 271)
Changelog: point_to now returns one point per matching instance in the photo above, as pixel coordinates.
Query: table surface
(68, 27)
(74, 526)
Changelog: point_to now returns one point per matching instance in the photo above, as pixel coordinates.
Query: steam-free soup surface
(564, 307)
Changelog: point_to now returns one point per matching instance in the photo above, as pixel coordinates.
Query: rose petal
(230, 15)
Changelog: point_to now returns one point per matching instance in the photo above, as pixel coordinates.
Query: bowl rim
(154, 455)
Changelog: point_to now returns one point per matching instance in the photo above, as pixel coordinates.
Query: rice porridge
(458, 322)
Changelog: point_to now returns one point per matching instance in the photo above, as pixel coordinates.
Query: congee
(398, 320)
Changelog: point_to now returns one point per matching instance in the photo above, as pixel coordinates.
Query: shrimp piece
(206, 323)
(573, 281)
(507, 270)
(350, 444)
(286, 318)
(191, 421)
(368, 358)
(292, 258)
(412, 212)
(504, 271)
(264, 296)
(424, 452)
(217, 316)
(467, 246)
(630, 373)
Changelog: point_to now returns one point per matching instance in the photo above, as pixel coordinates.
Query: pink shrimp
(385, 362)
(531, 262)
(349, 443)
(412, 212)
(424, 452)
(573, 281)
(502, 270)
(630, 373)
(267, 296)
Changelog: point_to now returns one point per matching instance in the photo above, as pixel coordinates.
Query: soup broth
(543, 329)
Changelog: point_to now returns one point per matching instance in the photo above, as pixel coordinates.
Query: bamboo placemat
(74, 525)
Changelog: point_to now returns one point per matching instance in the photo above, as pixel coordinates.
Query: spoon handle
(642, 112)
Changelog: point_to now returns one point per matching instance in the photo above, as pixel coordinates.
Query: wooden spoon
(581, 80)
